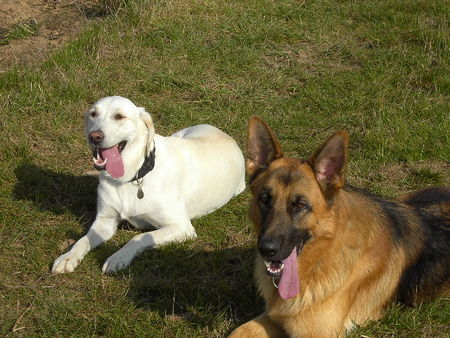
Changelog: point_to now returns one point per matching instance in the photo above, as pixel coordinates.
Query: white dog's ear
(144, 116)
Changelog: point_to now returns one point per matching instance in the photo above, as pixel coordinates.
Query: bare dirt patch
(402, 178)
(400, 171)
(31, 29)
(396, 179)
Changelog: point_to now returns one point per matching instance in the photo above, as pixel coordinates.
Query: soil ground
(53, 22)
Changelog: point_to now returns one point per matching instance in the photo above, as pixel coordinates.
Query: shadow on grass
(57, 192)
(196, 285)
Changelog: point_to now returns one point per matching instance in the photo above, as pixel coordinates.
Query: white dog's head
(120, 135)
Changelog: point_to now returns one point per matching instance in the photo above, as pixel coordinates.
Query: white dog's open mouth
(109, 159)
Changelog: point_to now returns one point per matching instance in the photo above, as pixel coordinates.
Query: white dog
(152, 181)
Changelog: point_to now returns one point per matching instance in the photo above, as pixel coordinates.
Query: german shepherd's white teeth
(274, 268)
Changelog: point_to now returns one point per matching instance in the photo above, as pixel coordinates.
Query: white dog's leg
(169, 233)
(101, 230)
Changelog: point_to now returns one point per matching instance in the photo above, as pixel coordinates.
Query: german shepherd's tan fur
(357, 252)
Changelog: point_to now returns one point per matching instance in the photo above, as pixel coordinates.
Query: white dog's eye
(93, 114)
(119, 117)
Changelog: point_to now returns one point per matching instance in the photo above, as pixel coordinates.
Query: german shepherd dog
(330, 255)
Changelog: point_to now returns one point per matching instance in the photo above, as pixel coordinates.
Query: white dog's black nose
(96, 136)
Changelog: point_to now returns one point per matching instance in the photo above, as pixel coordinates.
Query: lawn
(376, 68)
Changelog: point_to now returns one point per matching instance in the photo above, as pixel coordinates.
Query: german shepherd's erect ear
(262, 147)
(330, 163)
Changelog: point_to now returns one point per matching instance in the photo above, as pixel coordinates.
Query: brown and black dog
(330, 255)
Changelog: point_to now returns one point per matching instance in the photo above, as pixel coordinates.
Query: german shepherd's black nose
(96, 136)
(269, 247)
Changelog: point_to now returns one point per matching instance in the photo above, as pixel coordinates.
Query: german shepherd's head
(292, 200)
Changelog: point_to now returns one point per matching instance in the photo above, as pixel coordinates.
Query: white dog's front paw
(116, 262)
(66, 263)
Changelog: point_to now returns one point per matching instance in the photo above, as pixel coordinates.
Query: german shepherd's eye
(300, 206)
(119, 117)
(265, 198)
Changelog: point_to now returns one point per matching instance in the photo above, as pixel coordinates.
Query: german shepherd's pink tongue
(114, 164)
(289, 285)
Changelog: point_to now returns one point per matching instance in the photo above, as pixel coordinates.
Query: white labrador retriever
(152, 181)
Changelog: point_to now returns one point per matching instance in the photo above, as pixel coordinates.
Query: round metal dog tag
(140, 194)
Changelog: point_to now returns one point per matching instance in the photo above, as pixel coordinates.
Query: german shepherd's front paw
(248, 330)
(260, 327)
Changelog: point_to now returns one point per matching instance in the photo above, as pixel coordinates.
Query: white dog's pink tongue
(289, 285)
(114, 164)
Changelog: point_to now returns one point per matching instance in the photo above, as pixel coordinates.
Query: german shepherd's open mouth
(280, 253)
(275, 268)
(281, 248)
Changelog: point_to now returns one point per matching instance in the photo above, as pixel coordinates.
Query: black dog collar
(147, 166)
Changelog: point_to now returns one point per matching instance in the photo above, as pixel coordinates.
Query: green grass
(376, 68)
(19, 30)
